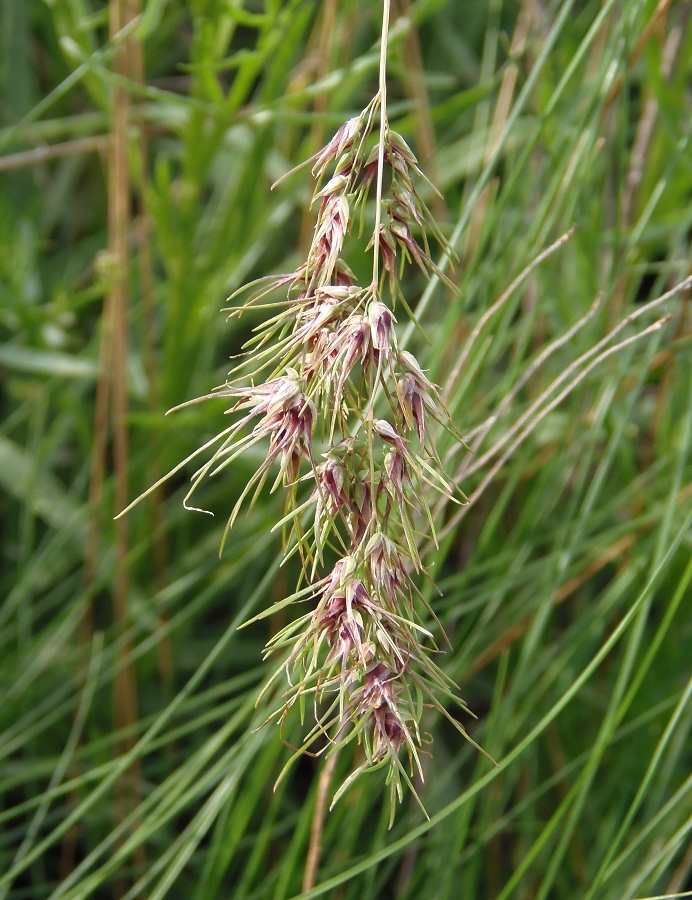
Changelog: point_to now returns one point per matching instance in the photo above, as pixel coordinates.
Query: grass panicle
(324, 369)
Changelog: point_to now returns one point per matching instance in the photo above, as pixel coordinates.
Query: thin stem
(497, 305)
(382, 94)
(475, 496)
(481, 462)
(477, 435)
(315, 849)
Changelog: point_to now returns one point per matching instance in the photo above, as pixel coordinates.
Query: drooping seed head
(381, 321)
(412, 404)
(343, 140)
(330, 232)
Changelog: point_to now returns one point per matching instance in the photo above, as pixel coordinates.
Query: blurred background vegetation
(138, 143)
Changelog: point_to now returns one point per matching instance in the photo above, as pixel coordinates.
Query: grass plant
(139, 140)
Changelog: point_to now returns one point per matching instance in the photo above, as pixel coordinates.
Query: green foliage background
(130, 763)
